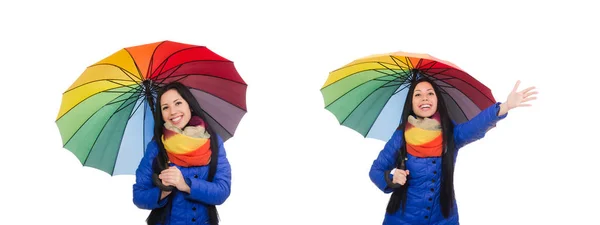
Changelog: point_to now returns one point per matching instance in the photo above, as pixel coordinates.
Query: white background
(292, 163)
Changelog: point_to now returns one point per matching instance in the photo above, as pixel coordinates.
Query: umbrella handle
(159, 184)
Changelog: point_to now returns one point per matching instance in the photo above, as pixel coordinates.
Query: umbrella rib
(366, 62)
(164, 62)
(392, 83)
(83, 100)
(394, 73)
(151, 62)
(396, 60)
(122, 85)
(94, 81)
(210, 75)
(219, 98)
(130, 75)
(121, 68)
(363, 100)
(123, 92)
(353, 89)
(138, 96)
(88, 119)
(450, 96)
(402, 89)
(135, 63)
(160, 81)
(376, 70)
(378, 114)
(216, 121)
(465, 82)
(101, 130)
(405, 72)
(449, 68)
(137, 106)
(459, 108)
(123, 134)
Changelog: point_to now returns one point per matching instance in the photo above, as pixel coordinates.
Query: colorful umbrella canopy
(106, 117)
(368, 94)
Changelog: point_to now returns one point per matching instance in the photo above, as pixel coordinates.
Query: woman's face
(175, 109)
(424, 100)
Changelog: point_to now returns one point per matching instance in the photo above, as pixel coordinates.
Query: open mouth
(176, 119)
(425, 107)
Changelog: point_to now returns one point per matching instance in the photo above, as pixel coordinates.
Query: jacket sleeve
(217, 191)
(477, 127)
(386, 160)
(145, 194)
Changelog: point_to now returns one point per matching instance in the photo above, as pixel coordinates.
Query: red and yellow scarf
(187, 147)
(424, 137)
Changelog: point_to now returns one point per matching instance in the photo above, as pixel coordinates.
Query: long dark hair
(398, 197)
(160, 215)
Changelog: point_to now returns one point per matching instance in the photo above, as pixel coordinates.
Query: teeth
(176, 119)
(426, 106)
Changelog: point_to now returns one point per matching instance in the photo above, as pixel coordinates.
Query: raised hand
(518, 98)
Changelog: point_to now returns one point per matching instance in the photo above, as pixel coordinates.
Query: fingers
(401, 172)
(168, 179)
(529, 94)
(516, 86)
(528, 89)
(528, 99)
(171, 176)
(399, 180)
(400, 176)
(171, 170)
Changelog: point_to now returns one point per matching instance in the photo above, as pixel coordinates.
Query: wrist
(503, 109)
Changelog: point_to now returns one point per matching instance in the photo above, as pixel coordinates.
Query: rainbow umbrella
(106, 115)
(368, 94)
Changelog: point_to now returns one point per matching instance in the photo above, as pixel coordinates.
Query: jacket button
(428, 208)
(193, 219)
(430, 199)
(194, 208)
(433, 162)
(434, 172)
(196, 176)
(432, 181)
(426, 217)
(431, 189)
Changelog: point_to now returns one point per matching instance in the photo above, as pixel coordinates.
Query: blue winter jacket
(186, 208)
(423, 193)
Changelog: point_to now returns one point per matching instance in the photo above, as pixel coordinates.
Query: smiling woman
(417, 163)
(184, 172)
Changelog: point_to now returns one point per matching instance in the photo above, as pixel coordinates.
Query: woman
(184, 172)
(426, 143)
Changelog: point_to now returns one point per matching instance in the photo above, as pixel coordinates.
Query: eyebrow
(173, 101)
(425, 90)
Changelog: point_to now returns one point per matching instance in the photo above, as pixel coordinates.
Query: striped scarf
(187, 147)
(424, 137)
